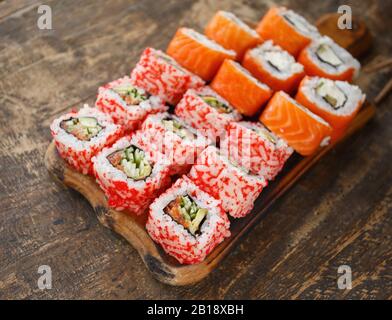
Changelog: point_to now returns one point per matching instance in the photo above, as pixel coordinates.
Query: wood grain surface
(339, 213)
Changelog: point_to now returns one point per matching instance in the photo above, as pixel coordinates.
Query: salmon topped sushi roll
(128, 104)
(274, 66)
(162, 76)
(80, 135)
(240, 88)
(325, 58)
(287, 29)
(303, 130)
(197, 53)
(337, 102)
(206, 111)
(230, 32)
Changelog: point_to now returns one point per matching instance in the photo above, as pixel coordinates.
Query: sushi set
(183, 156)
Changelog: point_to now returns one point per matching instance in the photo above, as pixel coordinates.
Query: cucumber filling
(278, 60)
(177, 128)
(132, 161)
(185, 211)
(326, 54)
(83, 128)
(328, 90)
(216, 104)
(131, 95)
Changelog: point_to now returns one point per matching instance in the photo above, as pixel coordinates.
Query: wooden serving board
(132, 228)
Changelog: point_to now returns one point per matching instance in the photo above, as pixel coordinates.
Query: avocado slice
(326, 54)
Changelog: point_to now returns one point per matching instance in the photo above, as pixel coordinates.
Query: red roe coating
(79, 153)
(262, 153)
(237, 190)
(129, 116)
(124, 193)
(203, 117)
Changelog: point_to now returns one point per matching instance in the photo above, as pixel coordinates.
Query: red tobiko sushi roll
(128, 104)
(160, 75)
(207, 112)
(80, 135)
(187, 222)
(226, 181)
(232, 33)
(130, 175)
(337, 102)
(173, 137)
(254, 147)
(237, 85)
(303, 130)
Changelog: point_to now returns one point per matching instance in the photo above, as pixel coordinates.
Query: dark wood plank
(338, 213)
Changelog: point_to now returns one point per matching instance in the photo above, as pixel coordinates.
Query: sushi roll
(80, 135)
(130, 175)
(187, 222)
(240, 88)
(177, 140)
(127, 104)
(324, 58)
(337, 102)
(162, 76)
(225, 180)
(274, 66)
(303, 130)
(287, 29)
(197, 53)
(254, 147)
(207, 112)
(230, 32)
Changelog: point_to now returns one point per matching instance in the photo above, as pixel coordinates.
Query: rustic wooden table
(338, 214)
